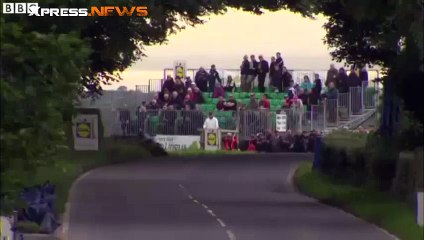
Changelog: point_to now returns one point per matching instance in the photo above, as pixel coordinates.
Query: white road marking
(211, 213)
(181, 186)
(221, 222)
(231, 235)
(195, 201)
(191, 197)
(206, 207)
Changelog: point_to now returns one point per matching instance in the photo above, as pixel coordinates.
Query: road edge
(290, 181)
(63, 231)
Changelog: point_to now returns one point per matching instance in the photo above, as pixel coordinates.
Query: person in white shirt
(211, 123)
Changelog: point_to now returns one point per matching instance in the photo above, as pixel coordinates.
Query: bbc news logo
(33, 9)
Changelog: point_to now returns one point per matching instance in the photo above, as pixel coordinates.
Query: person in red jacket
(234, 142)
(252, 144)
(227, 142)
(264, 103)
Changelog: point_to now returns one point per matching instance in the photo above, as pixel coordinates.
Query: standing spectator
(244, 71)
(213, 78)
(306, 84)
(363, 75)
(354, 80)
(279, 60)
(253, 72)
(253, 104)
(168, 84)
(356, 93)
(272, 67)
(264, 103)
(220, 104)
(332, 92)
(201, 79)
(179, 87)
(303, 96)
(277, 78)
(342, 81)
(198, 96)
(218, 90)
(211, 123)
(291, 90)
(331, 75)
(287, 78)
(231, 85)
(316, 90)
(125, 118)
(263, 69)
(153, 105)
(231, 104)
(331, 97)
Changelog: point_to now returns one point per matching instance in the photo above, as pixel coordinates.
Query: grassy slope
(375, 207)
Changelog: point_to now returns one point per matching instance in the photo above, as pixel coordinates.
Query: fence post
(350, 103)
(317, 158)
(325, 114)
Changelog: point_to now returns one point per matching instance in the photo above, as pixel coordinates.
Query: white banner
(85, 130)
(175, 143)
(281, 122)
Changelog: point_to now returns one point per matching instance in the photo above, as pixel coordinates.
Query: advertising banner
(175, 143)
(85, 131)
(281, 122)
(180, 69)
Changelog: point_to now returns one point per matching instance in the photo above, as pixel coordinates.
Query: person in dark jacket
(342, 81)
(179, 87)
(277, 78)
(354, 80)
(176, 100)
(244, 71)
(355, 93)
(125, 119)
(363, 75)
(213, 78)
(188, 83)
(287, 78)
(263, 69)
(332, 74)
(272, 67)
(253, 72)
(317, 88)
(279, 60)
(231, 85)
(201, 79)
(168, 84)
(198, 96)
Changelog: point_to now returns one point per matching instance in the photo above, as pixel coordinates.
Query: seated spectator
(253, 104)
(166, 101)
(218, 90)
(188, 102)
(231, 104)
(264, 103)
(291, 90)
(230, 85)
(179, 87)
(188, 82)
(168, 84)
(176, 100)
(162, 93)
(252, 144)
(190, 92)
(220, 104)
(306, 84)
(198, 96)
(153, 105)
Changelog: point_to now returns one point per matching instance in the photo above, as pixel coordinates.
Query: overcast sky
(224, 39)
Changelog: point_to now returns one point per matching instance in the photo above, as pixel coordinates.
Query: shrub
(404, 183)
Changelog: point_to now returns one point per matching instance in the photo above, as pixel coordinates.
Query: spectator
(244, 71)
(306, 84)
(231, 104)
(176, 101)
(201, 79)
(312, 99)
(354, 80)
(179, 87)
(188, 82)
(252, 144)
(263, 69)
(153, 105)
(279, 60)
(168, 84)
(213, 78)
(231, 85)
(316, 90)
(220, 104)
(363, 75)
(218, 91)
(166, 101)
(253, 72)
(272, 67)
(162, 94)
(277, 78)
(125, 118)
(141, 116)
(253, 104)
(303, 96)
(291, 90)
(332, 92)
(342, 81)
(264, 103)
(211, 123)
(198, 96)
(142, 107)
(332, 75)
(287, 78)
(190, 92)
(188, 102)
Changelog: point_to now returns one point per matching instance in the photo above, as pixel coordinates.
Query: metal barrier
(370, 96)
(155, 85)
(318, 117)
(343, 104)
(356, 100)
(142, 88)
(331, 111)
(253, 122)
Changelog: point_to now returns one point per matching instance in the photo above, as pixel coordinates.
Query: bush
(404, 183)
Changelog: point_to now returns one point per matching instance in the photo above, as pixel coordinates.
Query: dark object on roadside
(40, 201)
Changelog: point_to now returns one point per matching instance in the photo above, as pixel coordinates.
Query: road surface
(245, 197)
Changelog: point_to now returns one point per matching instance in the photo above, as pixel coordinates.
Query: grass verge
(364, 202)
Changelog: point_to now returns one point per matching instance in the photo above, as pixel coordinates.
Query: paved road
(244, 198)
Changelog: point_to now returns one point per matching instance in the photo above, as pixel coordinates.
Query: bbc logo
(19, 8)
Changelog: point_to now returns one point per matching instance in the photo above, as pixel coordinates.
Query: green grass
(376, 207)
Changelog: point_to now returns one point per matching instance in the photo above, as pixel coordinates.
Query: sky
(224, 39)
